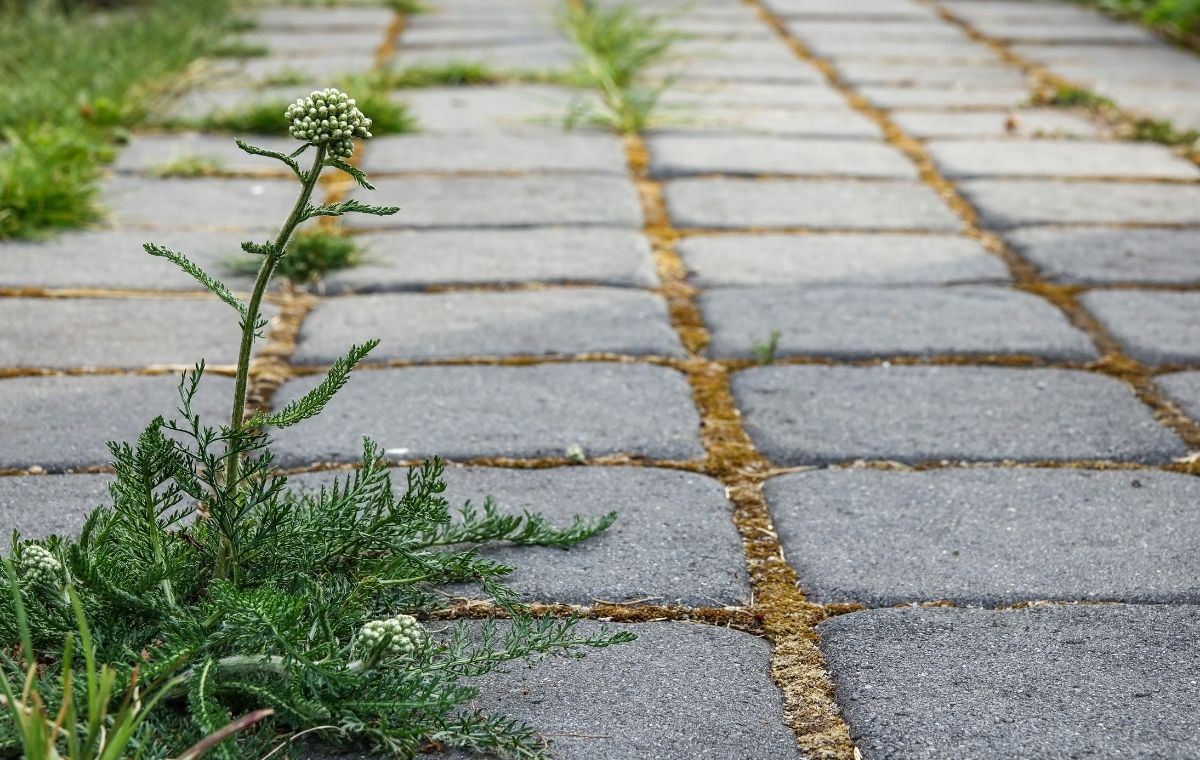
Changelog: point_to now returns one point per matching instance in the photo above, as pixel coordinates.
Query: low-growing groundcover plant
(233, 612)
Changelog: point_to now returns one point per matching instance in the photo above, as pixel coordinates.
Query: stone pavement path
(953, 519)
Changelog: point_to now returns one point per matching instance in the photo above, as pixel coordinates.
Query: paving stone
(1184, 387)
(838, 259)
(64, 422)
(535, 56)
(678, 155)
(117, 332)
(883, 96)
(480, 36)
(1058, 158)
(1007, 203)
(875, 30)
(497, 153)
(314, 72)
(1152, 327)
(414, 259)
(535, 411)
(150, 152)
(686, 97)
(818, 415)
(863, 322)
(472, 109)
(913, 74)
(788, 69)
(1005, 123)
(1094, 681)
(316, 42)
(561, 321)
(856, 9)
(38, 507)
(251, 204)
(198, 104)
(1034, 13)
(1089, 256)
(822, 204)
(828, 122)
(989, 536)
(1096, 30)
(529, 201)
(292, 17)
(941, 51)
(681, 691)
(674, 541)
(115, 259)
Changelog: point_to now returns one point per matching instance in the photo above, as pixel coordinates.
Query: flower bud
(399, 636)
(330, 118)
(38, 566)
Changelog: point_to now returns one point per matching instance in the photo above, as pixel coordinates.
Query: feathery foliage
(186, 586)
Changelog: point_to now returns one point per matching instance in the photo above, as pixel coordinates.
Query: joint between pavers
(788, 619)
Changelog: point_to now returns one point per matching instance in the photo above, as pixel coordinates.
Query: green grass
(1075, 97)
(1164, 132)
(1180, 18)
(187, 166)
(617, 46)
(71, 81)
(311, 255)
(450, 74)
(266, 118)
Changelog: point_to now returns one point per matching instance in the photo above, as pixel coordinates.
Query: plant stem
(248, 333)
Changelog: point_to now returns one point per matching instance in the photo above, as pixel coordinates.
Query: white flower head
(399, 636)
(328, 117)
(38, 566)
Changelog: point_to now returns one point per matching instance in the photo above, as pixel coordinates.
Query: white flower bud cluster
(38, 565)
(401, 635)
(328, 117)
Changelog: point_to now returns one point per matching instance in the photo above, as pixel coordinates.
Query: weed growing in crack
(764, 351)
(618, 46)
(311, 255)
(243, 613)
(391, 118)
(188, 165)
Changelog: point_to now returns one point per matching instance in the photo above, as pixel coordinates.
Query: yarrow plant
(233, 614)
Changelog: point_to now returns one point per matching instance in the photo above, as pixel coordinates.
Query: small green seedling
(189, 165)
(764, 351)
(311, 255)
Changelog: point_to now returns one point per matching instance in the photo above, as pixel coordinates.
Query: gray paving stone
(534, 56)
(1097, 30)
(875, 30)
(497, 153)
(1153, 327)
(1033, 13)
(1004, 123)
(293, 17)
(841, 122)
(117, 332)
(38, 507)
(817, 415)
(788, 69)
(115, 259)
(940, 51)
(863, 322)
(822, 204)
(838, 259)
(857, 9)
(679, 692)
(151, 152)
(414, 259)
(1058, 158)
(674, 541)
(530, 201)
(990, 536)
(1104, 682)
(1184, 388)
(473, 109)
(1089, 256)
(678, 155)
(560, 321)
(1007, 203)
(885, 96)
(480, 36)
(251, 204)
(315, 42)
(197, 104)
(535, 411)
(315, 72)
(689, 96)
(60, 423)
(913, 74)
